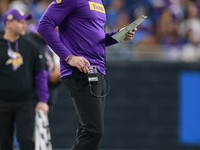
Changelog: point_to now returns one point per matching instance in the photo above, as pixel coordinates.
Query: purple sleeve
(41, 83)
(52, 17)
(109, 39)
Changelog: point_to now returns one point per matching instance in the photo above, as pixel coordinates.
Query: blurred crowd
(171, 30)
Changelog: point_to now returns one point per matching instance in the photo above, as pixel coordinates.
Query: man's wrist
(69, 58)
(43, 101)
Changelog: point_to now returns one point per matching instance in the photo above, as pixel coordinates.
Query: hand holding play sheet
(122, 34)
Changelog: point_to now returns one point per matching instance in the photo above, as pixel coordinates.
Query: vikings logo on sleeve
(15, 59)
(97, 7)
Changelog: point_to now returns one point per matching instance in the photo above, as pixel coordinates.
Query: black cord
(108, 87)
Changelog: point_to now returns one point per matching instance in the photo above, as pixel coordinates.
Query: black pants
(22, 113)
(89, 109)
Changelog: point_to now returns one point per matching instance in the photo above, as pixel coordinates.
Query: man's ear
(8, 24)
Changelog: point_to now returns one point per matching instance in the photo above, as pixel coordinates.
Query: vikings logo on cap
(58, 1)
(10, 17)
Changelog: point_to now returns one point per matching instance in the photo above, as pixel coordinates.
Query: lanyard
(10, 50)
(14, 60)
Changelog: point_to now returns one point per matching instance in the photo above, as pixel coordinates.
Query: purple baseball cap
(14, 14)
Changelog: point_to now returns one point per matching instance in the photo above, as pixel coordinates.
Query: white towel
(42, 132)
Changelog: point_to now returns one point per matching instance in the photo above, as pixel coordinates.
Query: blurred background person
(4, 5)
(114, 9)
(189, 30)
(51, 61)
(22, 75)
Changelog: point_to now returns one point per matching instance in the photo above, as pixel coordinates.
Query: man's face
(18, 27)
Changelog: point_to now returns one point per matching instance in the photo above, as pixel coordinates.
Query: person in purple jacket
(22, 75)
(81, 43)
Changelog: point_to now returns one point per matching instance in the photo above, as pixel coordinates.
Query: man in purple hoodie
(22, 75)
(81, 43)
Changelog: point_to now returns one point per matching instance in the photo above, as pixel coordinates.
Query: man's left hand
(43, 106)
(130, 34)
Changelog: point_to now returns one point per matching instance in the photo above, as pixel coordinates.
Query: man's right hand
(43, 106)
(80, 62)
